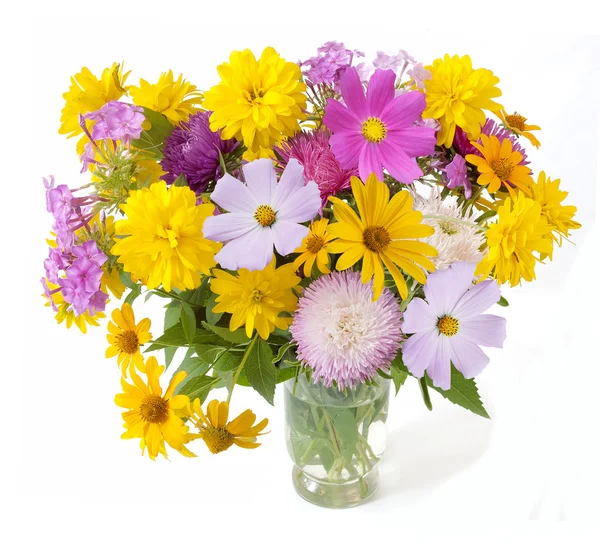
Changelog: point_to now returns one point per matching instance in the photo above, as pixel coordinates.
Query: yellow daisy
(520, 231)
(154, 417)
(456, 95)
(175, 99)
(380, 235)
(257, 102)
(218, 434)
(126, 337)
(516, 123)
(162, 237)
(560, 218)
(65, 314)
(257, 298)
(499, 166)
(315, 248)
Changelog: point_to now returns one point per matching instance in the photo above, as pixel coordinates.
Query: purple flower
(326, 66)
(117, 121)
(419, 74)
(450, 325)
(456, 172)
(313, 152)
(97, 302)
(58, 201)
(392, 62)
(87, 157)
(54, 263)
(85, 274)
(263, 214)
(193, 149)
(48, 293)
(378, 131)
(89, 251)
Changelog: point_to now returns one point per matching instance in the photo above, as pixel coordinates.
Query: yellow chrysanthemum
(163, 241)
(560, 218)
(379, 236)
(153, 417)
(218, 434)
(499, 166)
(257, 298)
(516, 123)
(257, 102)
(175, 99)
(456, 95)
(64, 314)
(315, 247)
(126, 337)
(88, 93)
(520, 231)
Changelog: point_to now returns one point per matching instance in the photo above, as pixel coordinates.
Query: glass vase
(335, 439)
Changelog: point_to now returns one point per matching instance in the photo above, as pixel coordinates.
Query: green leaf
(151, 141)
(169, 355)
(281, 352)
(194, 367)
(209, 353)
(234, 337)
(462, 392)
(485, 216)
(198, 387)
(133, 294)
(286, 373)
(260, 372)
(398, 371)
(175, 336)
(180, 181)
(127, 281)
(503, 302)
(172, 314)
(188, 321)
(228, 361)
(211, 317)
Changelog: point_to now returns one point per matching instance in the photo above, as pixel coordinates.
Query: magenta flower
(450, 325)
(262, 214)
(456, 173)
(89, 251)
(378, 131)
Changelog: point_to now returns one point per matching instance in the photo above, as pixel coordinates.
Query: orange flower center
(376, 239)
(217, 439)
(128, 342)
(314, 243)
(154, 409)
(448, 326)
(516, 121)
(502, 168)
(265, 215)
(374, 130)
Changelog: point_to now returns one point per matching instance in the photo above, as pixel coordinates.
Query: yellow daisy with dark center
(126, 337)
(315, 248)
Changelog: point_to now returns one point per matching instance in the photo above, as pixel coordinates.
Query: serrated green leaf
(188, 322)
(234, 337)
(198, 387)
(194, 367)
(259, 370)
(209, 353)
(175, 336)
(228, 361)
(462, 392)
(133, 294)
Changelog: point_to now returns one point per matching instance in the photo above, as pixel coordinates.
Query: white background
(71, 478)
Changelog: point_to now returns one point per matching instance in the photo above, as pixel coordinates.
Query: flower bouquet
(336, 225)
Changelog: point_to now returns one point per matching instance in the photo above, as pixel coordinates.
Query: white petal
(302, 205)
(418, 317)
(467, 357)
(439, 370)
(477, 300)
(444, 288)
(252, 251)
(419, 350)
(225, 227)
(232, 195)
(288, 236)
(485, 329)
(291, 180)
(261, 179)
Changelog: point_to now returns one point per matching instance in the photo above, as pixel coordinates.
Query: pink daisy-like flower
(450, 325)
(262, 214)
(378, 131)
(342, 334)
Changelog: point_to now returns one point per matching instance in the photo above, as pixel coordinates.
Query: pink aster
(342, 334)
(378, 131)
(262, 214)
(450, 325)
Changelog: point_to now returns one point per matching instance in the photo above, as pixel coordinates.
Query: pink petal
(445, 288)
(231, 194)
(347, 147)
(485, 330)
(225, 227)
(337, 117)
(353, 93)
(399, 165)
(369, 162)
(477, 300)
(418, 317)
(261, 179)
(404, 110)
(301, 205)
(419, 350)
(439, 370)
(288, 236)
(467, 357)
(252, 251)
(380, 91)
(415, 141)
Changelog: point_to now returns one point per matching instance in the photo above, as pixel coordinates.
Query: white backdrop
(536, 459)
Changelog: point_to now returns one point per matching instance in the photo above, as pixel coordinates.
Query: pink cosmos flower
(450, 325)
(262, 214)
(378, 131)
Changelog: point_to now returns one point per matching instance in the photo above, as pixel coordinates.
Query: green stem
(242, 363)
(425, 393)
(173, 296)
(453, 220)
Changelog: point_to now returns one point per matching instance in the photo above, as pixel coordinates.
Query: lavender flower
(327, 65)
(117, 121)
(456, 173)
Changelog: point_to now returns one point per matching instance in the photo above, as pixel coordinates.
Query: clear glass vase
(335, 440)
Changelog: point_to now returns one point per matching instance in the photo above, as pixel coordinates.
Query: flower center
(265, 215)
(448, 326)
(376, 239)
(253, 94)
(516, 121)
(154, 409)
(257, 296)
(374, 130)
(314, 243)
(502, 168)
(447, 227)
(217, 439)
(128, 342)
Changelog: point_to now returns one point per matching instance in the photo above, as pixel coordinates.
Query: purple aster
(193, 149)
(263, 214)
(117, 121)
(313, 152)
(456, 173)
(332, 57)
(342, 334)
(449, 326)
(378, 131)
